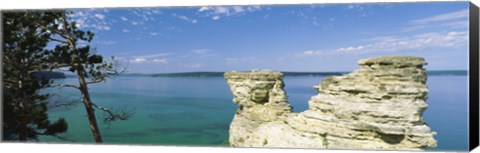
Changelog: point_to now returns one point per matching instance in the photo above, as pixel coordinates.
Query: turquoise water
(198, 111)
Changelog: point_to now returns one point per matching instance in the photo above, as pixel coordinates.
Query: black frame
(473, 76)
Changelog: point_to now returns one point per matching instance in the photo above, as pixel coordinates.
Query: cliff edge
(378, 106)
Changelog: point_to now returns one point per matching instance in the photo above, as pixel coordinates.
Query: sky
(300, 38)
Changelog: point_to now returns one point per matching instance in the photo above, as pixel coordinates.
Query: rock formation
(379, 106)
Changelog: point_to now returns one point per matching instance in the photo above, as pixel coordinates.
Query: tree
(26, 36)
(24, 54)
(80, 59)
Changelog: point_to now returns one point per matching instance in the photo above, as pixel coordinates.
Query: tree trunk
(88, 106)
(22, 102)
(22, 133)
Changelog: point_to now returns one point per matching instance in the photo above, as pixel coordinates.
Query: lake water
(198, 111)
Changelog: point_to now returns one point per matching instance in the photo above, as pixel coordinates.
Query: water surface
(197, 111)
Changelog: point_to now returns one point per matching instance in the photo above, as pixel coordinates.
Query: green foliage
(73, 52)
(324, 140)
(25, 109)
(265, 142)
(26, 34)
(59, 125)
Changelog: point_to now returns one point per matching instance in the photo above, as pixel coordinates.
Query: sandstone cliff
(379, 106)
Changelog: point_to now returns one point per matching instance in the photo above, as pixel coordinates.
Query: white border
(82, 148)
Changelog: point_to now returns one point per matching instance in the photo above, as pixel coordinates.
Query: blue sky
(313, 38)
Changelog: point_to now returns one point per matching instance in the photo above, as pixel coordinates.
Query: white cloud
(204, 8)
(99, 16)
(453, 39)
(153, 58)
(141, 16)
(350, 49)
(146, 14)
(254, 8)
(310, 17)
(184, 18)
(300, 14)
(154, 33)
(153, 55)
(357, 7)
(458, 24)
(221, 10)
(457, 19)
(310, 53)
(125, 30)
(382, 38)
(138, 60)
(161, 61)
(215, 12)
(444, 17)
(238, 9)
(91, 19)
(80, 23)
(100, 27)
(201, 51)
(417, 42)
(124, 18)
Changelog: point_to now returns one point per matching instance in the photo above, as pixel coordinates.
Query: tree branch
(104, 76)
(96, 81)
(114, 115)
(67, 31)
(64, 85)
(57, 40)
(56, 31)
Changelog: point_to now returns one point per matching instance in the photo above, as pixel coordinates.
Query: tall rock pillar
(379, 106)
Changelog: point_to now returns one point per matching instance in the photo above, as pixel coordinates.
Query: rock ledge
(378, 106)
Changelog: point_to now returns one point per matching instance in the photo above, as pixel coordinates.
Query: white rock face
(377, 107)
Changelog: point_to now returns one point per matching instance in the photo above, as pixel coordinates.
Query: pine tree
(25, 109)
(26, 35)
(90, 68)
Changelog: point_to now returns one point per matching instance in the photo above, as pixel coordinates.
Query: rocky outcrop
(379, 106)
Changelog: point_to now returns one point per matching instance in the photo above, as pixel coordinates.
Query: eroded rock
(379, 106)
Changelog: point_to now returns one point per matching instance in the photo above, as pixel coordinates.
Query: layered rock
(379, 106)
(261, 99)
